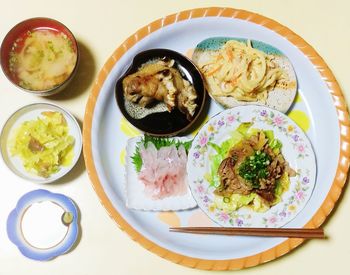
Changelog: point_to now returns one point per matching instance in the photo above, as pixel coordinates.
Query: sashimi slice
(164, 171)
(135, 190)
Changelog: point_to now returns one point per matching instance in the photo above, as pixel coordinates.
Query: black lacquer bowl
(164, 123)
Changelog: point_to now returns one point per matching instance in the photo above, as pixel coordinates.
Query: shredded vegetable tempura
(240, 71)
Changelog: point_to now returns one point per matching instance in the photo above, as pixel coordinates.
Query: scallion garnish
(254, 168)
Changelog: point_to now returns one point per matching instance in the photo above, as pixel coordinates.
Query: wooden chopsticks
(304, 233)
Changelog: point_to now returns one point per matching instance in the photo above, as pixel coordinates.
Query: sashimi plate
(319, 109)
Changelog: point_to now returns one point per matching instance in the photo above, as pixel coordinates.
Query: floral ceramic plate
(319, 109)
(296, 149)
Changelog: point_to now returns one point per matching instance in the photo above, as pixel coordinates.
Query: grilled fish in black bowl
(162, 93)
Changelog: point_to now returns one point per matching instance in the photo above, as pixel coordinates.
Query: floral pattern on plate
(205, 137)
(296, 149)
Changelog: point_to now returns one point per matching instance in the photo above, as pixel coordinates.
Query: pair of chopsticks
(304, 233)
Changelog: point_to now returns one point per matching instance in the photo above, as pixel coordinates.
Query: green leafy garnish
(136, 159)
(158, 142)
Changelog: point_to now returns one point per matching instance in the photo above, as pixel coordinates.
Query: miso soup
(42, 59)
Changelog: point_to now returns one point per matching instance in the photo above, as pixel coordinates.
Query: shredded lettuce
(274, 143)
(237, 201)
(282, 185)
(234, 202)
(259, 204)
(244, 127)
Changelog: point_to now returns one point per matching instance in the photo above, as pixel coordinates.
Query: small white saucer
(43, 225)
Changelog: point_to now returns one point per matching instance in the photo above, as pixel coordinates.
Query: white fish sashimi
(163, 171)
(135, 195)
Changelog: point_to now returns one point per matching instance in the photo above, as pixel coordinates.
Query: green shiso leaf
(136, 159)
(158, 142)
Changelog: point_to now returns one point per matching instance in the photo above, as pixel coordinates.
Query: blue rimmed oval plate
(245, 72)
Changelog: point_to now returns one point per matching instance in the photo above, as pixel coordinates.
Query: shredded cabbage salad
(43, 144)
(236, 201)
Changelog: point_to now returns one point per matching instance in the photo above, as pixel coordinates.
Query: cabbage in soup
(42, 59)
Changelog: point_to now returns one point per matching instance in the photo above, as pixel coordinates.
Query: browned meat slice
(241, 151)
(275, 171)
(35, 146)
(267, 194)
(230, 183)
